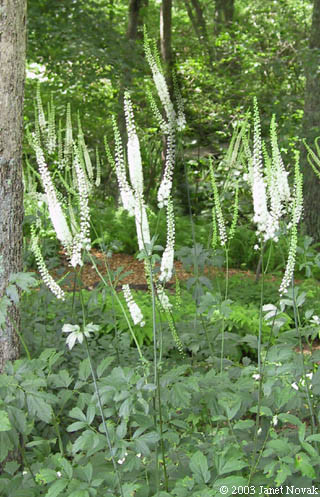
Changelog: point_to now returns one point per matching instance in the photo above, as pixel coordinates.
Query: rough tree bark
(165, 33)
(12, 74)
(311, 127)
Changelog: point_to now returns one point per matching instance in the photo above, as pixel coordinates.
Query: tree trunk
(133, 19)
(12, 72)
(199, 25)
(224, 13)
(165, 33)
(311, 127)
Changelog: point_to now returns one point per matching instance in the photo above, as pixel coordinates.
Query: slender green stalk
(21, 338)
(93, 374)
(255, 440)
(119, 302)
(306, 381)
(223, 318)
(157, 383)
(254, 466)
(116, 469)
(56, 427)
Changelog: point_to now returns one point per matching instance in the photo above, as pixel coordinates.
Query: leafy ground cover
(208, 413)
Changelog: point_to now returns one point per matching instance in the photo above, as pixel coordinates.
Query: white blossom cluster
(166, 182)
(167, 260)
(72, 242)
(134, 309)
(160, 83)
(46, 277)
(126, 192)
(136, 176)
(163, 298)
(55, 210)
(217, 211)
(297, 206)
(270, 189)
(82, 238)
(173, 121)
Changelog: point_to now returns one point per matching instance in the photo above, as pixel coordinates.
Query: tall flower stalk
(73, 160)
(221, 236)
(132, 196)
(273, 203)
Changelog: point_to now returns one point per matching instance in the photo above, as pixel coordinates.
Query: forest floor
(132, 271)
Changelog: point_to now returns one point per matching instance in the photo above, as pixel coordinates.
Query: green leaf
(150, 438)
(79, 493)
(104, 364)
(289, 418)
(66, 466)
(77, 414)
(199, 467)
(229, 482)
(121, 429)
(62, 379)
(24, 281)
(244, 424)
(86, 441)
(282, 474)
(18, 419)
(12, 293)
(180, 395)
(129, 489)
(11, 467)
(88, 472)
(313, 438)
(264, 410)
(124, 410)
(77, 425)
(303, 464)
(57, 487)
(84, 369)
(5, 424)
(38, 405)
(91, 412)
(231, 405)
(280, 446)
(4, 304)
(47, 475)
(232, 464)
(302, 432)
(5, 445)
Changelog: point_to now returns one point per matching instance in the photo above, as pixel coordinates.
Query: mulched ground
(129, 264)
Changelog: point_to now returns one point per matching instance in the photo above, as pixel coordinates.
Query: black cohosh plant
(165, 426)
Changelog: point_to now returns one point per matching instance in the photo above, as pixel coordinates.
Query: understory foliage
(183, 389)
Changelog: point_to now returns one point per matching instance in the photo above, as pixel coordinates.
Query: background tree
(165, 33)
(12, 73)
(198, 22)
(224, 12)
(311, 124)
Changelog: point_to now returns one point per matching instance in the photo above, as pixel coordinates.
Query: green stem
(21, 338)
(103, 418)
(306, 381)
(56, 427)
(119, 302)
(157, 383)
(255, 441)
(223, 319)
